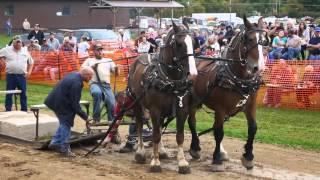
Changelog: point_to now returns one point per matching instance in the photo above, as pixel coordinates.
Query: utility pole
(230, 11)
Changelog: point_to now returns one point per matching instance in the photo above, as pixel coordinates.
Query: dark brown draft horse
(229, 86)
(161, 84)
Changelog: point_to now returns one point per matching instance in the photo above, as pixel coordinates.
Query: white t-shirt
(105, 67)
(83, 49)
(16, 62)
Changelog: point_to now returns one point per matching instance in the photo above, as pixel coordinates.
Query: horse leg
(182, 162)
(247, 157)
(163, 154)
(156, 137)
(223, 153)
(218, 136)
(140, 155)
(195, 142)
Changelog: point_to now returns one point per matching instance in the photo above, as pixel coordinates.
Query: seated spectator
(66, 46)
(72, 40)
(307, 87)
(293, 46)
(304, 34)
(278, 45)
(144, 46)
(281, 78)
(314, 45)
(53, 42)
(34, 45)
(45, 46)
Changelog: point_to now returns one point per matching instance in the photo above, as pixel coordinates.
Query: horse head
(178, 50)
(247, 46)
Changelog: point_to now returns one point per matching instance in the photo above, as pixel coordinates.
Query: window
(9, 10)
(65, 11)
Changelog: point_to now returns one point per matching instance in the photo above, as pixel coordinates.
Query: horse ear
(260, 23)
(246, 22)
(175, 27)
(185, 22)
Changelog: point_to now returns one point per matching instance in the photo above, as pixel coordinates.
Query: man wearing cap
(314, 45)
(19, 64)
(53, 42)
(36, 33)
(100, 83)
(100, 88)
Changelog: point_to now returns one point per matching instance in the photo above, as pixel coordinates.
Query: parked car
(96, 34)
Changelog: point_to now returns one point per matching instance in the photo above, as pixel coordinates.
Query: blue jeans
(102, 94)
(291, 53)
(276, 53)
(61, 137)
(9, 31)
(16, 81)
(314, 57)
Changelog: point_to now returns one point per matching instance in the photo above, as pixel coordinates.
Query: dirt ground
(272, 162)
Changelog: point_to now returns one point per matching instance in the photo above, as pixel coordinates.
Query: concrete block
(23, 125)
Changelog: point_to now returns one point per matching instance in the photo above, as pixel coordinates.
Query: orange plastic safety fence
(291, 84)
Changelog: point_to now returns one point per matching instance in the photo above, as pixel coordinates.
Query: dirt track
(272, 162)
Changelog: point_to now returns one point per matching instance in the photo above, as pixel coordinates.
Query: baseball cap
(317, 29)
(120, 30)
(98, 46)
(16, 38)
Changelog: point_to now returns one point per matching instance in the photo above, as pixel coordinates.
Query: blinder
(243, 36)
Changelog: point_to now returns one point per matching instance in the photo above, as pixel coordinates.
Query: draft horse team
(175, 83)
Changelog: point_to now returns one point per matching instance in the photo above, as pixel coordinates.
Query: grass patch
(288, 127)
(4, 39)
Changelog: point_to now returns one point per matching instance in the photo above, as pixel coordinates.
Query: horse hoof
(194, 154)
(247, 164)
(184, 170)
(163, 156)
(224, 156)
(141, 159)
(218, 168)
(155, 169)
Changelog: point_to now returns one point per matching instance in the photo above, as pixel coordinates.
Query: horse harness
(155, 77)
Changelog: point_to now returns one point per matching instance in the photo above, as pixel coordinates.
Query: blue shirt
(314, 41)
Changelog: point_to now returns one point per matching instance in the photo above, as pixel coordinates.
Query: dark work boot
(129, 146)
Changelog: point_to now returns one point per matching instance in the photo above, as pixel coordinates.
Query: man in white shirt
(19, 64)
(100, 83)
(83, 48)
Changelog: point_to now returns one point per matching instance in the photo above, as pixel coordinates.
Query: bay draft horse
(161, 85)
(229, 86)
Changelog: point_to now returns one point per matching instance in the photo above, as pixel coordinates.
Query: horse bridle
(242, 37)
(173, 45)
